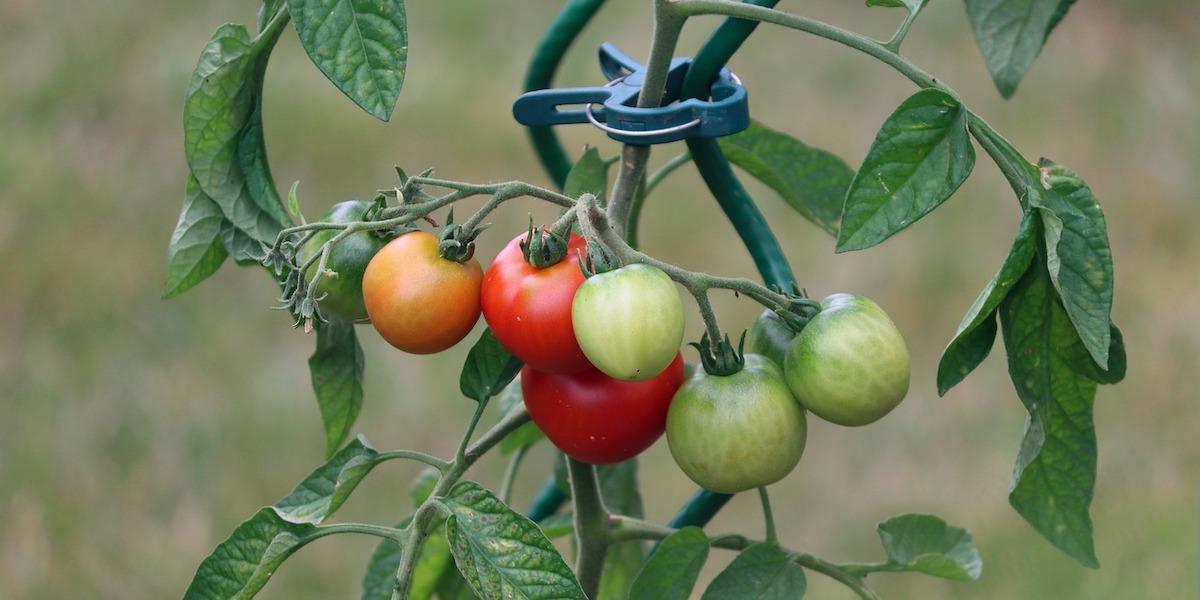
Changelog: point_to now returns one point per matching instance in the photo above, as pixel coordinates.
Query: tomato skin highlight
(599, 420)
(629, 322)
(733, 433)
(849, 365)
(341, 296)
(418, 301)
(529, 309)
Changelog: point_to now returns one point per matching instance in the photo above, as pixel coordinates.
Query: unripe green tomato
(770, 336)
(342, 295)
(629, 321)
(849, 365)
(737, 432)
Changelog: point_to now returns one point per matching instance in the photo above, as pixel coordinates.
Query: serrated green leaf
(241, 565)
(927, 544)
(920, 156)
(328, 487)
(223, 138)
(977, 331)
(588, 175)
(196, 250)
(761, 572)
(489, 368)
(501, 553)
(360, 45)
(1078, 255)
(1055, 475)
(337, 368)
(1010, 34)
(810, 180)
(672, 570)
(525, 435)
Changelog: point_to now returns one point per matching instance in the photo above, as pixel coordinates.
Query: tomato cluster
(603, 376)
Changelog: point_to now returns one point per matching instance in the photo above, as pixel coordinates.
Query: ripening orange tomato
(418, 301)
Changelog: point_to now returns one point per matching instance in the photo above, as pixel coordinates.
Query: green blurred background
(136, 433)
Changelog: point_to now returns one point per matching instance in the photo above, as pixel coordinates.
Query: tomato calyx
(543, 247)
(457, 241)
(599, 259)
(722, 360)
(799, 310)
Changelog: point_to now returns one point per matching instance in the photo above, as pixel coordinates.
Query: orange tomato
(418, 301)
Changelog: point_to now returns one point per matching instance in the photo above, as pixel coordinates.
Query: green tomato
(770, 336)
(629, 322)
(342, 295)
(849, 365)
(737, 432)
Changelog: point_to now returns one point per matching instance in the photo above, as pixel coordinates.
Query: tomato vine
(1051, 299)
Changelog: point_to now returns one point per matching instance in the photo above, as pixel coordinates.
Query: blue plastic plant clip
(726, 112)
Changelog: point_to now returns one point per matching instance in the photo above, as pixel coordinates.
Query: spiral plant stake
(584, 337)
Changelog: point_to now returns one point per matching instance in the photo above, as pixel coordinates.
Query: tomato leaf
(763, 572)
(266, 11)
(360, 45)
(489, 368)
(588, 175)
(501, 553)
(196, 250)
(672, 570)
(337, 368)
(1078, 255)
(977, 331)
(1059, 13)
(1011, 33)
(1055, 475)
(525, 435)
(920, 156)
(810, 180)
(223, 131)
(927, 544)
(327, 488)
(241, 565)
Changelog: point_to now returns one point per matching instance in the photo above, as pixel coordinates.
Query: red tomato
(529, 309)
(597, 419)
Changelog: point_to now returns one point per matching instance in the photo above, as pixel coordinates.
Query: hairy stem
(432, 461)
(768, 515)
(667, 27)
(510, 474)
(591, 525)
(644, 190)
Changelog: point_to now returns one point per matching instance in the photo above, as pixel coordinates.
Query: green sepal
(723, 360)
(543, 247)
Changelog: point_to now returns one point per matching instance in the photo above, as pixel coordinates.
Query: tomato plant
(596, 419)
(529, 308)
(735, 425)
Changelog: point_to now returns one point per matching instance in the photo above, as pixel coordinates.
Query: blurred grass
(137, 433)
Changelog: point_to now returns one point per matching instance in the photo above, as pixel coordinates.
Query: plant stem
(625, 529)
(667, 27)
(591, 526)
(432, 461)
(596, 226)
(510, 474)
(389, 533)
(768, 516)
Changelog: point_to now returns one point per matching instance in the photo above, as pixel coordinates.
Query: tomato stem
(768, 516)
(591, 526)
